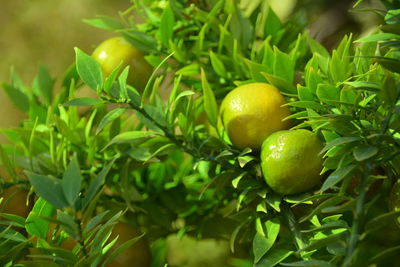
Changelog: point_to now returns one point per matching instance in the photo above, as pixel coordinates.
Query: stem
(179, 142)
(359, 215)
(81, 239)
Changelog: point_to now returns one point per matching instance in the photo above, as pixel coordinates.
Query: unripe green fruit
(291, 162)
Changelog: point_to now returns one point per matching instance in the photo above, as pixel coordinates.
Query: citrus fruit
(191, 252)
(290, 161)
(113, 51)
(137, 255)
(251, 112)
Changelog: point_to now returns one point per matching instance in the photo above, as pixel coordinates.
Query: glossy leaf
(35, 225)
(89, 70)
(84, 101)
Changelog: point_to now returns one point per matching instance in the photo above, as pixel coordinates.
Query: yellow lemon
(251, 112)
(110, 53)
(291, 162)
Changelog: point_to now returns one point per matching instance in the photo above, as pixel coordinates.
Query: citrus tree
(209, 121)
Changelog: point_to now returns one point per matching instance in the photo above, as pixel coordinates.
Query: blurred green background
(46, 31)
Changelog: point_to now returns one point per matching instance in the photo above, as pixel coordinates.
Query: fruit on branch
(251, 112)
(110, 53)
(291, 162)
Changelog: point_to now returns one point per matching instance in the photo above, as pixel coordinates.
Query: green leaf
(313, 78)
(391, 64)
(95, 221)
(19, 98)
(339, 141)
(362, 153)
(217, 65)
(339, 224)
(305, 93)
(128, 137)
(49, 188)
(167, 25)
(256, 69)
(189, 70)
(68, 224)
(338, 175)
(390, 90)
(262, 242)
(283, 65)
(339, 68)
(122, 83)
(120, 249)
(373, 86)
(316, 47)
(323, 242)
(210, 104)
(43, 85)
(273, 257)
(7, 235)
(392, 16)
(378, 37)
(35, 225)
(84, 101)
(109, 117)
(148, 90)
(307, 104)
(89, 70)
(309, 263)
(71, 182)
(105, 23)
(143, 41)
(111, 78)
(97, 183)
(272, 22)
(283, 85)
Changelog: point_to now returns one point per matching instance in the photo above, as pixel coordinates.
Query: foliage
(145, 157)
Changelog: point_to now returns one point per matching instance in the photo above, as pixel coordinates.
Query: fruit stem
(180, 143)
(358, 222)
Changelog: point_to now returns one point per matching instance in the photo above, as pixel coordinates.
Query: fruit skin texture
(290, 161)
(111, 52)
(251, 112)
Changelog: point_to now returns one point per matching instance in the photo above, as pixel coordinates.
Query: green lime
(291, 162)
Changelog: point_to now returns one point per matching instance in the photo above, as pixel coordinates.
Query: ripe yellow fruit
(291, 162)
(110, 53)
(251, 112)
